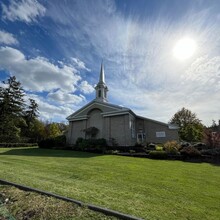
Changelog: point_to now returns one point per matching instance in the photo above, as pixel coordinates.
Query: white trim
(98, 103)
(115, 114)
(83, 117)
(149, 119)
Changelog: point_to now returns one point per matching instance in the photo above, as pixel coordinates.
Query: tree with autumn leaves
(190, 127)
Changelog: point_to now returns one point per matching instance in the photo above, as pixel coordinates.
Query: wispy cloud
(140, 68)
(79, 64)
(23, 10)
(7, 38)
(141, 71)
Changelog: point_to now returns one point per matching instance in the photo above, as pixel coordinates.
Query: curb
(89, 206)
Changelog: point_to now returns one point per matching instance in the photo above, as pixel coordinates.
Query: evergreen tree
(32, 112)
(190, 127)
(11, 110)
(30, 116)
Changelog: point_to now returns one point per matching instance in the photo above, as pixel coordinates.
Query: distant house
(117, 124)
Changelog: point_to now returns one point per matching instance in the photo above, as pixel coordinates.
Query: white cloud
(62, 97)
(79, 64)
(52, 111)
(38, 74)
(7, 38)
(85, 87)
(23, 10)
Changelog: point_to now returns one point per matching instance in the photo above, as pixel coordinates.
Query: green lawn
(150, 189)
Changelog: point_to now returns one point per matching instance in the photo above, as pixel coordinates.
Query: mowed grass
(149, 189)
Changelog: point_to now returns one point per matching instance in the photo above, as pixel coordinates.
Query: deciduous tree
(190, 127)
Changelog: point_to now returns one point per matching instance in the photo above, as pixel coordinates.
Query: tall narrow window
(132, 126)
(99, 93)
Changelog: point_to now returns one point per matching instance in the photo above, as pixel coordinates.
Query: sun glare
(184, 48)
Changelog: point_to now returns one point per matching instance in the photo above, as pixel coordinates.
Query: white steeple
(102, 74)
(101, 88)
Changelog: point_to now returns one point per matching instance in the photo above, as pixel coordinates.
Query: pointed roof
(108, 110)
(102, 74)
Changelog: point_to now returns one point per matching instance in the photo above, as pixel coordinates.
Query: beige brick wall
(76, 130)
(119, 128)
(151, 127)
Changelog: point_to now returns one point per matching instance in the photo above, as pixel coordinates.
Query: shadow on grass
(38, 152)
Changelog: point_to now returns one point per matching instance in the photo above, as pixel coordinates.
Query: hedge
(10, 145)
(158, 154)
(51, 143)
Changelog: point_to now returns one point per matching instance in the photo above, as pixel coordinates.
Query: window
(132, 127)
(99, 93)
(160, 134)
(141, 137)
(105, 94)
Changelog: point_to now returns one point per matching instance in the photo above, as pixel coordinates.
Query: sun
(184, 48)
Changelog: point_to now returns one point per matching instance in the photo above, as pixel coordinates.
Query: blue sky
(55, 49)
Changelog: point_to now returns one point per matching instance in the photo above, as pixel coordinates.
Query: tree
(17, 119)
(38, 131)
(30, 117)
(11, 110)
(32, 112)
(190, 127)
(53, 130)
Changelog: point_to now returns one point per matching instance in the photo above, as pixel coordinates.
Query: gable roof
(108, 111)
(111, 108)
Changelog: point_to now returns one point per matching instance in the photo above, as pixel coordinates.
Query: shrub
(93, 145)
(159, 148)
(190, 151)
(151, 146)
(172, 147)
(211, 152)
(79, 140)
(199, 145)
(158, 154)
(8, 145)
(115, 152)
(113, 142)
(56, 142)
(184, 144)
(138, 145)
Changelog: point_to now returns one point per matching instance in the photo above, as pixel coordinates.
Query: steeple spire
(102, 74)
(101, 88)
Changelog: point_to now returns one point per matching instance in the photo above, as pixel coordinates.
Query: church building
(117, 124)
